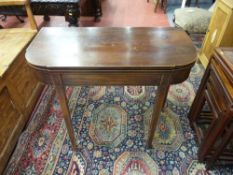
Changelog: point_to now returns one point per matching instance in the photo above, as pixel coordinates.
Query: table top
(12, 41)
(111, 48)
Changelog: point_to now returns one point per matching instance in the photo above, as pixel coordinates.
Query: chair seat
(192, 19)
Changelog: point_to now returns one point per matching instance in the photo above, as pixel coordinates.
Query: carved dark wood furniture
(68, 8)
(213, 124)
(22, 3)
(91, 8)
(111, 56)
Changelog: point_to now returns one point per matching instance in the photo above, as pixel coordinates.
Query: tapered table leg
(161, 97)
(60, 90)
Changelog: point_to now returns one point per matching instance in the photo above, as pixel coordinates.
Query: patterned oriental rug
(112, 139)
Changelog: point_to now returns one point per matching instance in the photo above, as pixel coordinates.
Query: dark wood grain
(111, 48)
(112, 56)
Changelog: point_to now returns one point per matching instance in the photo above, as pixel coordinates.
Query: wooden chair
(25, 3)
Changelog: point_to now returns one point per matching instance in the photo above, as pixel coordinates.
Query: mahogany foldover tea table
(111, 56)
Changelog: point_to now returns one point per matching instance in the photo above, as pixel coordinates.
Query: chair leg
(98, 12)
(46, 18)
(156, 5)
(197, 3)
(72, 15)
(21, 20)
(31, 17)
(188, 3)
(164, 3)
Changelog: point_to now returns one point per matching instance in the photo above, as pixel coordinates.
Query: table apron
(111, 78)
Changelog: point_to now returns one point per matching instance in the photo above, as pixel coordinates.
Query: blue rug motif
(111, 127)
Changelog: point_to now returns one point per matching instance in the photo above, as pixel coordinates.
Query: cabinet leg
(46, 18)
(98, 12)
(72, 15)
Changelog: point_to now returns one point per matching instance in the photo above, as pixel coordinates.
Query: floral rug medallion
(108, 125)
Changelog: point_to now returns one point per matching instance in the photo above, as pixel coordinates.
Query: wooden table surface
(12, 42)
(111, 48)
(112, 56)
